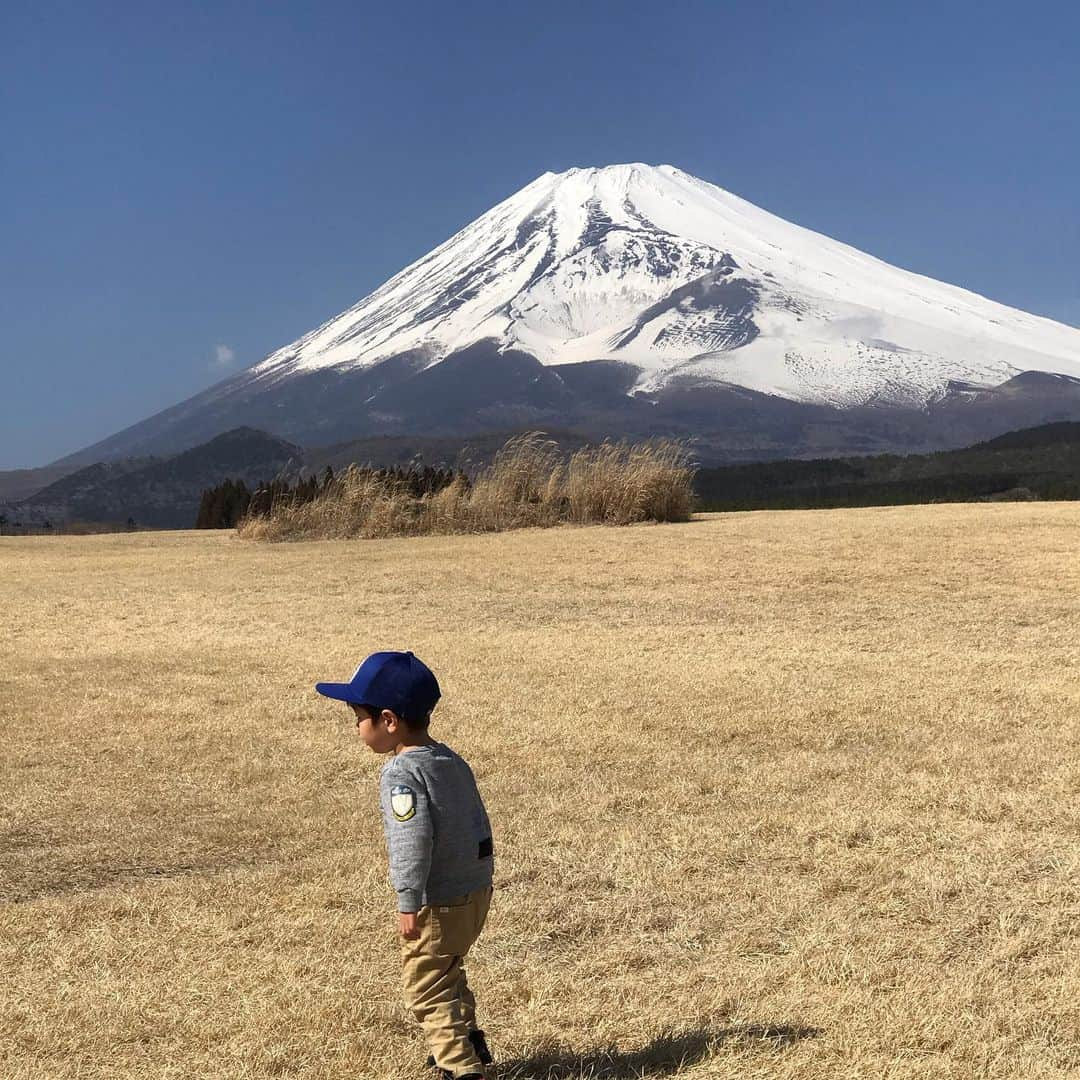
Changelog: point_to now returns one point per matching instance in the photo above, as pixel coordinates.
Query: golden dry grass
(527, 485)
(775, 794)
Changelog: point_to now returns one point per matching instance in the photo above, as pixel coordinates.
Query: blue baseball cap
(389, 680)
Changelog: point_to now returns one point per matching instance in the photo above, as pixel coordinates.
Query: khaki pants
(434, 979)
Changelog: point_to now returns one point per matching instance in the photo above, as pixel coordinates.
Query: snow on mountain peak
(652, 266)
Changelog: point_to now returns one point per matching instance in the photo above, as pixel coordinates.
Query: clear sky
(185, 187)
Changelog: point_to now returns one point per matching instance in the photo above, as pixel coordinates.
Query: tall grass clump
(528, 484)
(617, 484)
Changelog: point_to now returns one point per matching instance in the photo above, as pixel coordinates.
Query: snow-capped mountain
(598, 297)
(674, 275)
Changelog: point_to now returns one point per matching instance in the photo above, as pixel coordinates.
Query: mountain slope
(670, 283)
(17, 484)
(161, 492)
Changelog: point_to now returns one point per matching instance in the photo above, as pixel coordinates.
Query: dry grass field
(775, 795)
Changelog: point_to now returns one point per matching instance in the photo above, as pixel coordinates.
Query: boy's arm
(407, 820)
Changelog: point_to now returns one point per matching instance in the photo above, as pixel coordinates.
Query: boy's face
(378, 730)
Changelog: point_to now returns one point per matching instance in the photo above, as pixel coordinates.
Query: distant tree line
(1039, 463)
(65, 527)
(18, 528)
(1034, 463)
(224, 506)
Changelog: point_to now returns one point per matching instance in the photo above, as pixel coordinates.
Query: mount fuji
(639, 300)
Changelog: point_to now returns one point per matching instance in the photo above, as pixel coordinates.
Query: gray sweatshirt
(437, 829)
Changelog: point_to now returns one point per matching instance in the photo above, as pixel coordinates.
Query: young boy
(441, 854)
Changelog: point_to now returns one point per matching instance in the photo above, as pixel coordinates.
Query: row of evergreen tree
(1040, 463)
(224, 506)
(47, 528)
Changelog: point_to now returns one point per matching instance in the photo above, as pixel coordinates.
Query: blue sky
(185, 187)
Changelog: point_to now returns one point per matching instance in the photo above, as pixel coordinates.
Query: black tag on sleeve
(487, 849)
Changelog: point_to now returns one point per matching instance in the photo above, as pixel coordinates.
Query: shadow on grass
(666, 1054)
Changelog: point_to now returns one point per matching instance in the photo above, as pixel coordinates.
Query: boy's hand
(407, 925)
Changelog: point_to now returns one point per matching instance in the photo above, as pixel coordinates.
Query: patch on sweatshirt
(402, 802)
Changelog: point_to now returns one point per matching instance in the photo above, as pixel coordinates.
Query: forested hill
(159, 492)
(1036, 463)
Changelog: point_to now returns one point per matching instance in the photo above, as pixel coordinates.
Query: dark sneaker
(480, 1045)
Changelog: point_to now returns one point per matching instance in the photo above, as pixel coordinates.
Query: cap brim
(339, 691)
